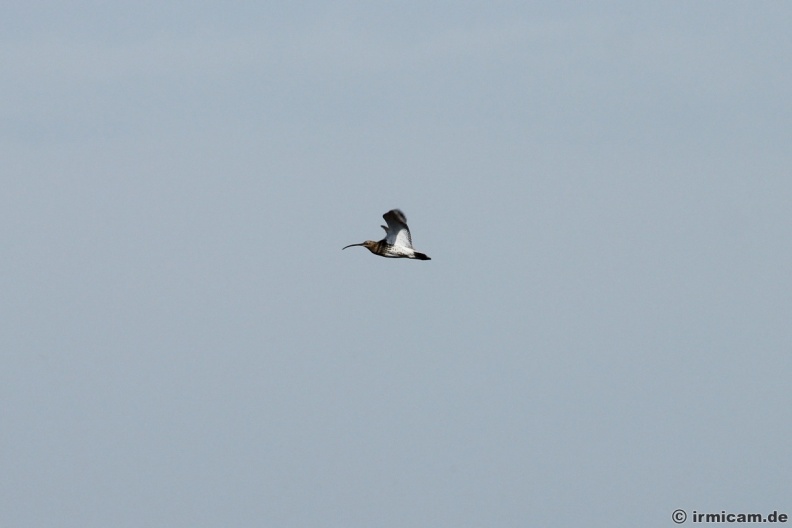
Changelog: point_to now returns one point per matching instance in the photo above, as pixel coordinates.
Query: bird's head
(368, 244)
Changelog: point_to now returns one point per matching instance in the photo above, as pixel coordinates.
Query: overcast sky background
(603, 334)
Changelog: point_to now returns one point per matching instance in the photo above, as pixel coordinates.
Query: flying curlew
(397, 242)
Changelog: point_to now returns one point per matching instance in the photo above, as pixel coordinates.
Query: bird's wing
(397, 233)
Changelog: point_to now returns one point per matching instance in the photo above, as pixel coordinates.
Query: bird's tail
(421, 256)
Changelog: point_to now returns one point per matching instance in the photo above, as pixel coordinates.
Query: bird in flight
(397, 242)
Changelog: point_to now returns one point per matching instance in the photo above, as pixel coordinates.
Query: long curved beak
(350, 245)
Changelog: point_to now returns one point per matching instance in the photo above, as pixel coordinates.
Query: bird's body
(397, 242)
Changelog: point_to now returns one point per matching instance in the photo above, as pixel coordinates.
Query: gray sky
(601, 337)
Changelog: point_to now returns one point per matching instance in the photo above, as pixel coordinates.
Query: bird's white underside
(400, 251)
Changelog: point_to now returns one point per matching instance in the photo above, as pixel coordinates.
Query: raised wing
(397, 232)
